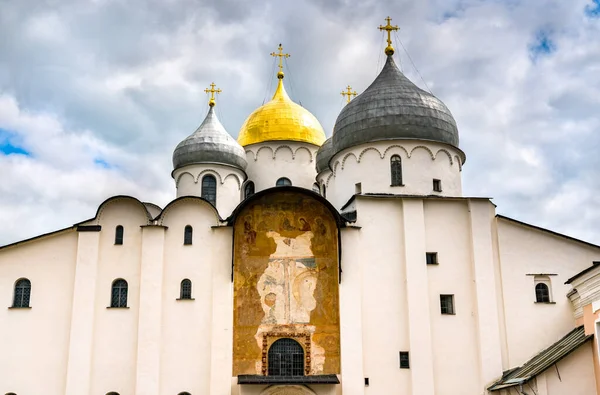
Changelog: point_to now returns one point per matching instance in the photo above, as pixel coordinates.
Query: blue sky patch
(593, 10)
(102, 163)
(8, 145)
(543, 45)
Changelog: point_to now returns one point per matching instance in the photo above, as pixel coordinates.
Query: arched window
(119, 235)
(118, 296)
(396, 169)
(316, 188)
(209, 189)
(542, 293)
(186, 289)
(184, 393)
(286, 358)
(22, 293)
(283, 182)
(188, 234)
(248, 189)
(112, 393)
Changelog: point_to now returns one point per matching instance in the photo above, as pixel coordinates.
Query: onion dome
(210, 143)
(392, 108)
(324, 155)
(281, 119)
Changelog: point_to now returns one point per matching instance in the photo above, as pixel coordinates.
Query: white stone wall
(188, 180)
(269, 161)
(369, 165)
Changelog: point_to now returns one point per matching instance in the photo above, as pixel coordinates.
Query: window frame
(283, 182)
(188, 235)
(396, 179)
(292, 363)
(444, 307)
(434, 256)
(24, 286)
(404, 360)
(249, 189)
(119, 235)
(185, 294)
(119, 303)
(544, 280)
(209, 181)
(437, 185)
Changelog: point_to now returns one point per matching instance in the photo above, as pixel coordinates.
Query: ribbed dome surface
(392, 107)
(324, 154)
(210, 143)
(281, 119)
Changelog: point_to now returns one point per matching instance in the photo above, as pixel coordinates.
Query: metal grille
(119, 293)
(186, 289)
(283, 182)
(119, 235)
(248, 189)
(22, 293)
(187, 235)
(542, 293)
(286, 358)
(447, 304)
(209, 189)
(396, 168)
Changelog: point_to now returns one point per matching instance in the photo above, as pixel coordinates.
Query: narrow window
(283, 182)
(366, 381)
(119, 235)
(437, 185)
(188, 234)
(286, 358)
(542, 293)
(447, 304)
(22, 293)
(316, 188)
(324, 191)
(209, 189)
(404, 361)
(248, 189)
(431, 258)
(396, 169)
(358, 188)
(119, 293)
(186, 289)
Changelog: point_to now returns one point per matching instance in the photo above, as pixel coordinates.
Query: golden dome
(281, 119)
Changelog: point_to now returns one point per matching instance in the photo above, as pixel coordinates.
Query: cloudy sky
(95, 95)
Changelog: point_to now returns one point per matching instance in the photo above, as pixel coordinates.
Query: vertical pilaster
(419, 322)
(150, 311)
(79, 367)
(486, 294)
(351, 330)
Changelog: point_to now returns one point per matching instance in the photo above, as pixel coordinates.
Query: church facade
(290, 263)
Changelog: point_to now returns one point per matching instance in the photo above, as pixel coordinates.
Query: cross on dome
(212, 91)
(348, 93)
(389, 50)
(281, 56)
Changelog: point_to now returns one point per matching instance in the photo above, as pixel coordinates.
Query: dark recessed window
(404, 361)
(324, 191)
(188, 235)
(118, 297)
(286, 358)
(209, 189)
(248, 189)
(358, 188)
(366, 381)
(119, 235)
(396, 170)
(184, 393)
(437, 185)
(283, 182)
(542, 293)
(22, 293)
(112, 393)
(447, 304)
(431, 258)
(186, 289)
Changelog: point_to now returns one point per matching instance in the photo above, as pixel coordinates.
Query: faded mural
(286, 282)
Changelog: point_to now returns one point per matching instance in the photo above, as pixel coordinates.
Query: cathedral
(290, 263)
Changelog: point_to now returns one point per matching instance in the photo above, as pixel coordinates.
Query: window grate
(396, 170)
(188, 234)
(186, 289)
(404, 360)
(447, 304)
(542, 293)
(22, 293)
(119, 293)
(283, 182)
(286, 358)
(209, 189)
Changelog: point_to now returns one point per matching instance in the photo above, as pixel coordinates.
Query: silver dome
(210, 143)
(324, 155)
(392, 107)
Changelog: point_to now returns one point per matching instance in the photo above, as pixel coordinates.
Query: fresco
(286, 282)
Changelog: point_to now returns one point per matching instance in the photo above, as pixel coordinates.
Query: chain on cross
(348, 93)
(212, 91)
(281, 56)
(389, 50)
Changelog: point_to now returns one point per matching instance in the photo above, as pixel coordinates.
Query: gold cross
(281, 56)
(389, 50)
(212, 91)
(348, 92)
